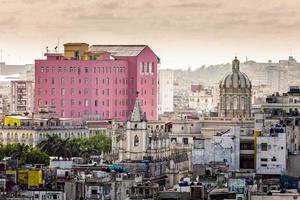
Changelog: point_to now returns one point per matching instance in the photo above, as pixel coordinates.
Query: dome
(236, 79)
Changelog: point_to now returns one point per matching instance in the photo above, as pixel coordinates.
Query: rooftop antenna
(55, 49)
(1, 54)
(47, 49)
(246, 58)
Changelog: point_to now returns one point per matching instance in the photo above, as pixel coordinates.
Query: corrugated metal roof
(119, 50)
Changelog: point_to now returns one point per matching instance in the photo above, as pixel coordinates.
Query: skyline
(209, 33)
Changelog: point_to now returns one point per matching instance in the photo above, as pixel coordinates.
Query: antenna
(1, 54)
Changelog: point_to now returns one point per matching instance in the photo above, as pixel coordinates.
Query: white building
(165, 90)
(220, 148)
(22, 96)
(271, 153)
(138, 142)
(44, 194)
(202, 101)
(277, 78)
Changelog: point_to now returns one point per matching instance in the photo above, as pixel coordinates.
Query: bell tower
(137, 134)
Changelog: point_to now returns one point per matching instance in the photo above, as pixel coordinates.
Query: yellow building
(29, 178)
(80, 51)
(35, 178)
(76, 51)
(16, 120)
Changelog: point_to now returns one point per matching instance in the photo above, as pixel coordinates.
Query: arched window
(136, 140)
(242, 103)
(227, 103)
(235, 103)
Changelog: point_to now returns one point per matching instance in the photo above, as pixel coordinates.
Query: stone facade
(235, 94)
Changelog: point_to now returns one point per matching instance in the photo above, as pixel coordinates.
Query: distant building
(202, 101)
(21, 70)
(165, 91)
(277, 78)
(22, 94)
(31, 131)
(235, 94)
(287, 104)
(98, 80)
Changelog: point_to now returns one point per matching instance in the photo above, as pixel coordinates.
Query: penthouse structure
(97, 80)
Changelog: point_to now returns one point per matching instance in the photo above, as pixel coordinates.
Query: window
(52, 91)
(62, 102)
(264, 159)
(86, 80)
(39, 91)
(62, 80)
(86, 103)
(152, 67)
(185, 140)
(141, 67)
(52, 80)
(263, 165)
(86, 69)
(148, 67)
(42, 69)
(274, 159)
(72, 102)
(72, 91)
(136, 141)
(72, 80)
(86, 91)
(96, 103)
(235, 103)
(264, 146)
(63, 91)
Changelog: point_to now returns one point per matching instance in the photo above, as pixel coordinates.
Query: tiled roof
(119, 50)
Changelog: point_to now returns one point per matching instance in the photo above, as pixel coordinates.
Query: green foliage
(35, 157)
(67, 148)
(24, 153)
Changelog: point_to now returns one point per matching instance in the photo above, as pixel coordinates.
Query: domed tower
(235, 94)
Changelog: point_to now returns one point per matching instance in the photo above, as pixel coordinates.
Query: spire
(235, 65)
(137, 114)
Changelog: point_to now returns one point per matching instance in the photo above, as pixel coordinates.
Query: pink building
(97, 80)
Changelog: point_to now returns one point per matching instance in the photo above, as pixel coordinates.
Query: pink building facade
(106, 87)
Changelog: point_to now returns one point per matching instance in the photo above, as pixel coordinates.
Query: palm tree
(74, 147)
(61, 149)
(20, 150)
(49, 144)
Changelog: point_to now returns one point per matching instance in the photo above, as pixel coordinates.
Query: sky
(183, 33)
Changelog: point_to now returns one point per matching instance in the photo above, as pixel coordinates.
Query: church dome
(236, 79)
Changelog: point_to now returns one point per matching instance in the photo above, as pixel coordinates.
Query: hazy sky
(183, 33)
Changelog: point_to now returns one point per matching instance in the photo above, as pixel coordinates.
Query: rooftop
(119, 50)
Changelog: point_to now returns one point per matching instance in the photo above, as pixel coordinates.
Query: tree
(61, 149)
(74, 147)
(48, 145)
(18, 150)
(35, 156)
